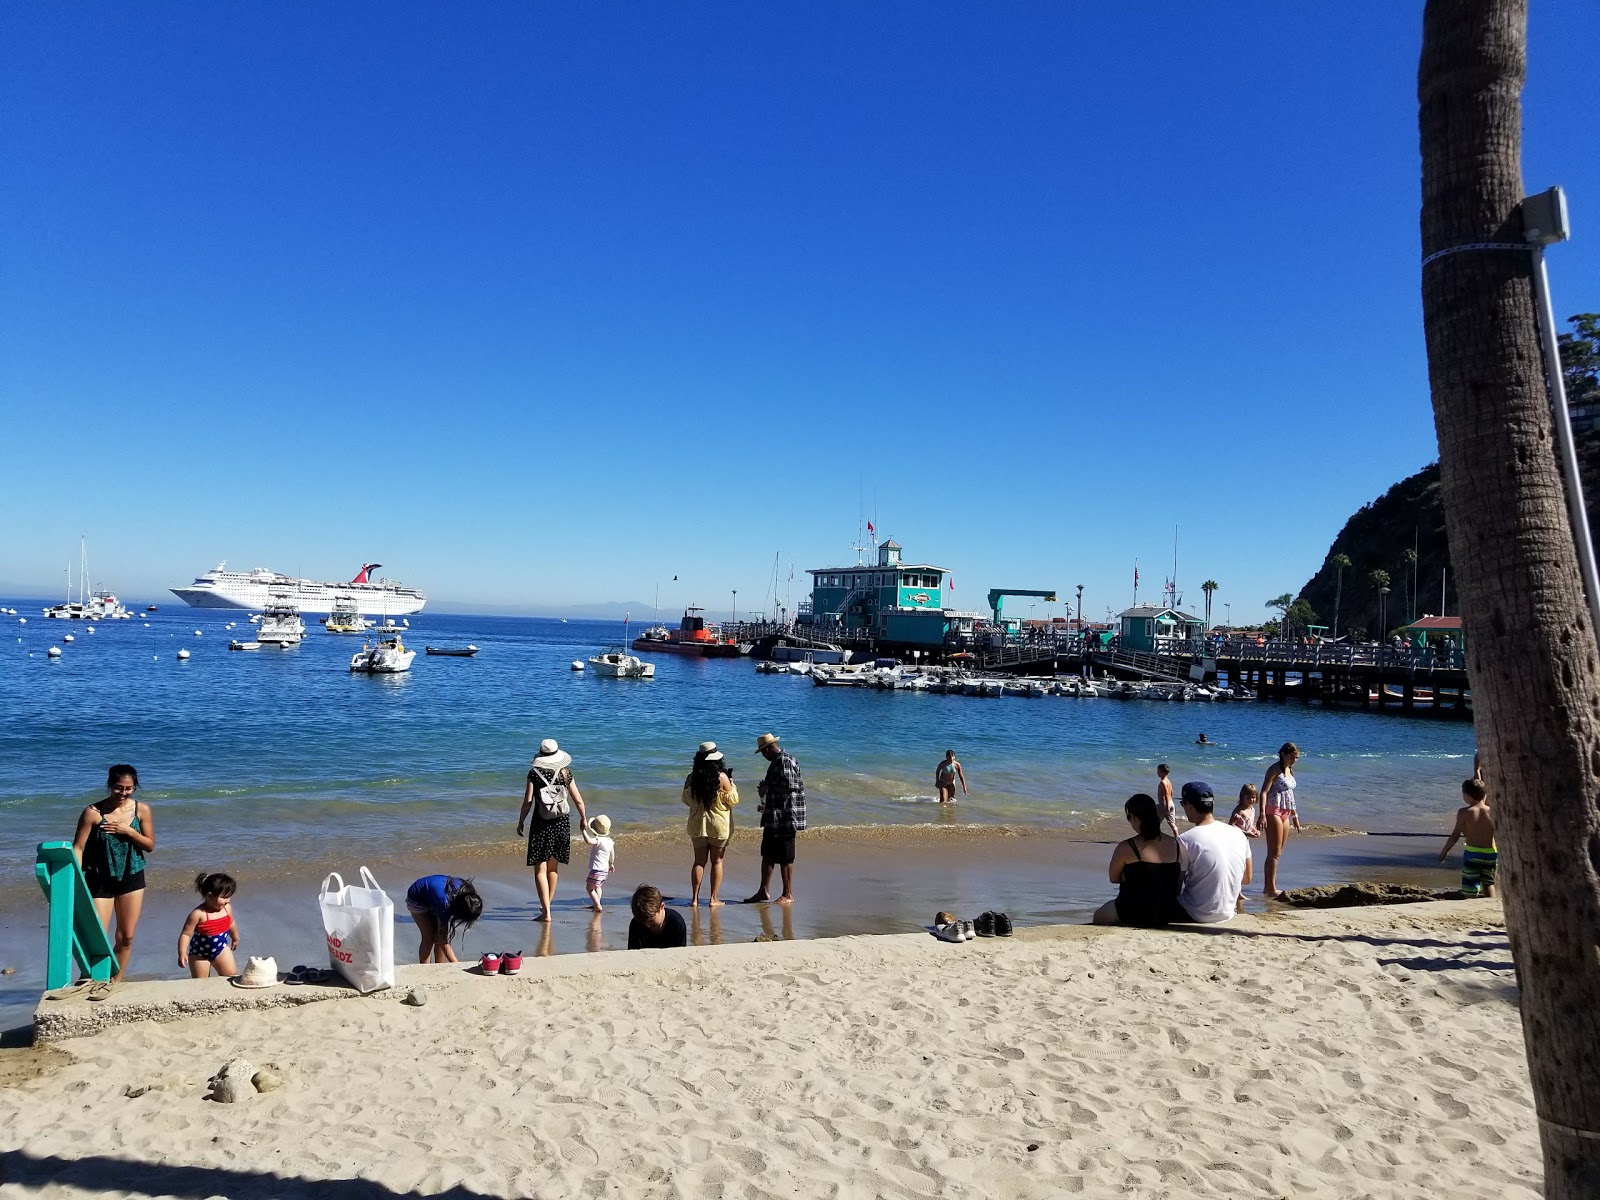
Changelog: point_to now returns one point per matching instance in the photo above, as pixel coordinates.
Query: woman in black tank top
(1146, 868)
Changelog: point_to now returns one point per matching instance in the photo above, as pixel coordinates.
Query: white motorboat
(281, 626)
(614, 662)
(250, 645)
(840, 676)
(386, 656)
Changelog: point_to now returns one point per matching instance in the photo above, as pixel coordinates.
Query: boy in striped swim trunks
(1475, 823)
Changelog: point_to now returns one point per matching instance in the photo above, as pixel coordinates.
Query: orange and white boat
(692, 636)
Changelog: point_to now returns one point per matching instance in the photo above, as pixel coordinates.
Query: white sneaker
(949, 933)
(967, 931)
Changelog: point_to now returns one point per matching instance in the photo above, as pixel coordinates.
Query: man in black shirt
(654, 925)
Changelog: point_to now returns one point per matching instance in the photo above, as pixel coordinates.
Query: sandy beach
(1351, 1053)
(851, 880)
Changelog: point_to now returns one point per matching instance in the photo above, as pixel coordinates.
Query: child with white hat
(602, 855)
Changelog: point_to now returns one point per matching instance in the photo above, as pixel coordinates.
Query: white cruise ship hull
(256, 590)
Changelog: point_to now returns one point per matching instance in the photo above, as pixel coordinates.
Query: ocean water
(281, 755)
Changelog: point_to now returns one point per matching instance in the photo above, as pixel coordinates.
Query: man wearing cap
(1216, 860)
(783, 814)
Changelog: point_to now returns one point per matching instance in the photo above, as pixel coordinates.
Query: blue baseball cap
(1199, 794)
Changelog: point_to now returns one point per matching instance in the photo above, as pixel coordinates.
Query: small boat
(251, 645)
(451, 651)
(151, 608)
(616, 663)
(388, 656)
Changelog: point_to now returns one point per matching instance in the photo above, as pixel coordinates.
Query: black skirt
(550, 839)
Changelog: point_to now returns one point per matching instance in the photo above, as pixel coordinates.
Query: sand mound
(1359, 895)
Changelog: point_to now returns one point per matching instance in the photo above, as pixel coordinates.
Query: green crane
(997, 598)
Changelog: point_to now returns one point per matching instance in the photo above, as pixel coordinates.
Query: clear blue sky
(543, 304)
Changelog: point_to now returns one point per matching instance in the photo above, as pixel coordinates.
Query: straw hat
(551, 756)
(258, 973)
(707, 747)
(765, 740)
(600, 825)
(714, 757)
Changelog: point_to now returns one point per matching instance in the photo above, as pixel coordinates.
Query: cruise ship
(256, 589)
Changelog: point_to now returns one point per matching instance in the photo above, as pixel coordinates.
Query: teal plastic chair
(76, 935)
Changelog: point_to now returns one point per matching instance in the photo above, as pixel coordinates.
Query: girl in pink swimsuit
(1279, 813)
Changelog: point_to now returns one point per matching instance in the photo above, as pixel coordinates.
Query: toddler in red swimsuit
(210, 935)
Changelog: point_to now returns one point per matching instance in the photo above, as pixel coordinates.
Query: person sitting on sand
(602, 856)
(946, 775)
(1475, 823)
(211, 934)
(1145, 867)
(710, 796)
(1216, 861)
(1243, 817)
(654, 925)
(442, 906)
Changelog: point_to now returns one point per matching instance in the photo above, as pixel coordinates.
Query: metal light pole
(1544, 221)
(1080, 608)
(736, 606)
(1383, 611)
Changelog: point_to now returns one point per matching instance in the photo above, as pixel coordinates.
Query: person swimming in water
(1202, 740)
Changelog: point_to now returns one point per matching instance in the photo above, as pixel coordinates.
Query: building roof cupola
(889, 554)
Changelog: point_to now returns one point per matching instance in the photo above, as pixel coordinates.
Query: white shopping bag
(360, 925)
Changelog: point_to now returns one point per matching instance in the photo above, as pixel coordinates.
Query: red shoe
(511, 962)
(489, 964)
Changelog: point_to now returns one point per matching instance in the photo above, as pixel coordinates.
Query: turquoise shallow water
(275, 755)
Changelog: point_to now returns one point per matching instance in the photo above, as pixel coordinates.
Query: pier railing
(1294, 655)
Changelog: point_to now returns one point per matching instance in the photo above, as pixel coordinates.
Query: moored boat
(692, 636)
(280, 625)
(387, 656)
(451, 651)
(616, 663)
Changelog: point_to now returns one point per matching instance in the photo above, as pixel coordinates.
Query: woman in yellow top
(710, 796)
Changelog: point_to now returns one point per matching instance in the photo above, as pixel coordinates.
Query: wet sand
(848, 880)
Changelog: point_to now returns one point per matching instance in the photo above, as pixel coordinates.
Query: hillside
(1378, 535)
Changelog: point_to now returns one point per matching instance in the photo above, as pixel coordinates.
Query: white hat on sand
(258, 973)
(551, 756)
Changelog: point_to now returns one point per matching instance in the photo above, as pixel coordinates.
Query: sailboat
(98, 605)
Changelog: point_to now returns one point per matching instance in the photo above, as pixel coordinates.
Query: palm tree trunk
(1531, 649)
(1338, 595)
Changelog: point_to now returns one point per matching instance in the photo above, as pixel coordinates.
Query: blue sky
(544, 305)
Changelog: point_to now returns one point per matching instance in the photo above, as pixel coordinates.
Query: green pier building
(898, 604)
